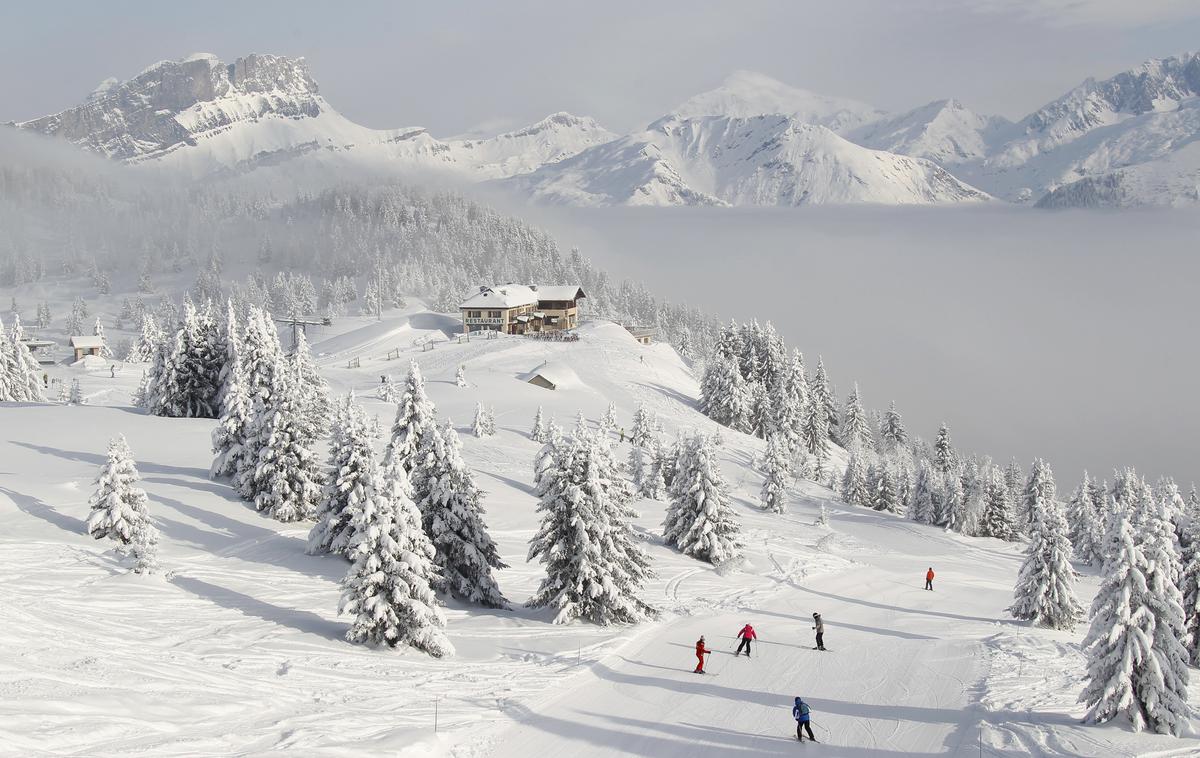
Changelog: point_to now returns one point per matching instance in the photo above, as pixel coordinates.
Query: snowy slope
(238, 649)
(945, 132)
(754, 160)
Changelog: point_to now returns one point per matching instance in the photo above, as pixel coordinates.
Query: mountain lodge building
(522, 309)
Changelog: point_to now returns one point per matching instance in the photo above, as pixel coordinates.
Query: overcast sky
(486, 66)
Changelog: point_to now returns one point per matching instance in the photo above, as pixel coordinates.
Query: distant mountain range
(1125, 141)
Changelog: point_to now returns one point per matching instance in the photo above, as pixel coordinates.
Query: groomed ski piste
(236, 648)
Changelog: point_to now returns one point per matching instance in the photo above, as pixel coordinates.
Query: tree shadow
(685, 400)
(97, 459)
(32, 506)
(514, 483)
(901, 609)
(301, 621)
(841, 624)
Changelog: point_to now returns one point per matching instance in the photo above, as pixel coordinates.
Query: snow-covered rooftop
(87, 341)
(557, 373)
(513, 295)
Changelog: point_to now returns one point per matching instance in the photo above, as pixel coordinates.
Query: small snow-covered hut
(89, 344)
(553, 375)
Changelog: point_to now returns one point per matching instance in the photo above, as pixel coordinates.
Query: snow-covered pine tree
(1045, 591)
(996, 519)
(882, 483)
(608, 422)
(856, 426)
(1126, 675)
(230, 434)
(814, 432)
(1189, 590)
(949, 507)
(315, 401)
(943, 451)
(144, 546)
(855, 487)
(923, 506)
(27, 376)
(821, 392)
(645, 470)
(1039, 490)
(699, 520)
(891, 429)
(9, 389)
(388, 587)
(351, 462)
(286, 483)
(388, 392)
(118, 504)
(460, 376)
(539, 433)
(777, 473)
(823, 516)
(76, 397)
(594, 566)
(1165, 603)
(1085, 528)
(641, 434)
(452, 516)
(483, 426)
(724, 396)
(415, 418)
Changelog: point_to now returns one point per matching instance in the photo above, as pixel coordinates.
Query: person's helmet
(702, 636)
(815, 614)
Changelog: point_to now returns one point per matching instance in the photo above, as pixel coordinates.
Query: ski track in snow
(237, 648)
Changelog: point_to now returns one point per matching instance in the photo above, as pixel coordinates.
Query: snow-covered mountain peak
(944, 131)
(748, 93)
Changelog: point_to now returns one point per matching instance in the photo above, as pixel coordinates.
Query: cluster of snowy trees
(20, 375)
(410, 521)
(1145, 620)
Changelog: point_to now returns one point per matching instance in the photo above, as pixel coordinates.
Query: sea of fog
(1071, 336)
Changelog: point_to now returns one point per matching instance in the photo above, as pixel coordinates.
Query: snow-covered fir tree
(1045, 591)
(608, 421)
(25, 380)
(891, 430)
(950, 504)
(594, 566)
(230, 434)
(699, 520)
(286, 482)
(641, 434)
(415, 418)
(814, 431)
(882, 485)
(856, 425)
(1126, 675)
(388, 589)
(76, 397)
(923, 506)
(352, 462)
(1086, 529)
(144, 546)
(313, 395)
(645, 470)
(485, 423)
(261, 359)
(452, 516)
(996, 519)
(460, 376)
(823, 516)
(1038, 492)
(777, 473)
(762, 412)
(822, 395)
(724, 396)
(118, 504)
(855, 487)
(943, 451)
(1189, 591)
(539, 433)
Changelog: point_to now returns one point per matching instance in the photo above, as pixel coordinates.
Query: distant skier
(746, 635)
(929, 579)
(701, 651)
(622, 434)
(802, 714)
(820, 627)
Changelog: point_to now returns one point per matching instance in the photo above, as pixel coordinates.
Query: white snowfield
(237, 649)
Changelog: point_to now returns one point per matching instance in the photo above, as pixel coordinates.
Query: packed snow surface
(237, 647)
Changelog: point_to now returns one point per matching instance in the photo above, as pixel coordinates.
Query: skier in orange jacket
(929, 579)
(701, 651)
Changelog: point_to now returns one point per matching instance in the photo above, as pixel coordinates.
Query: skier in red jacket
(929, 578)
(701, 651)
(746, 634)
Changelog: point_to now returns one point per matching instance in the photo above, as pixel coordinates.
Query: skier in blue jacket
(802, 714)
